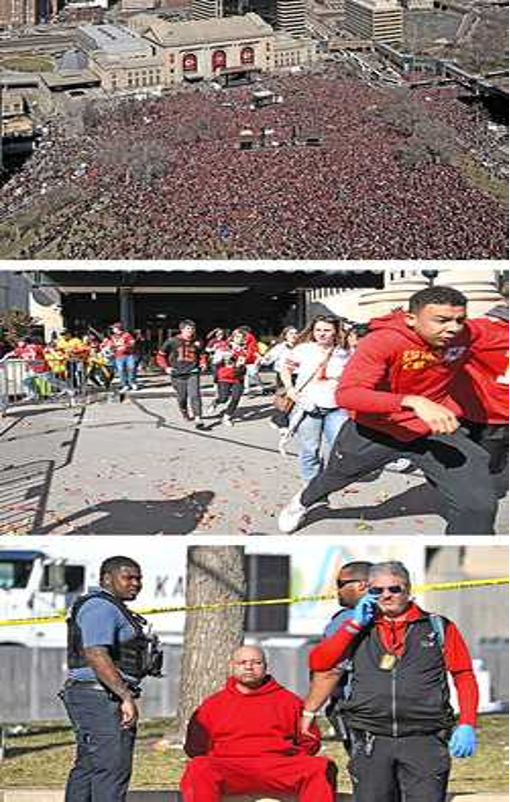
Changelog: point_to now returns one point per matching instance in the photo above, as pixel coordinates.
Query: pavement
(50, 795)
(135, 467)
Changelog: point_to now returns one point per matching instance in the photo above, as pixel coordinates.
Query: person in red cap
(121, 344)
(398, 387)
(247, 739)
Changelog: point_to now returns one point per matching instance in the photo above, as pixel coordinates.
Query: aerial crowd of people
(168, 179)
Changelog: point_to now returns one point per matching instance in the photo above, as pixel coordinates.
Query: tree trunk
(214, 574)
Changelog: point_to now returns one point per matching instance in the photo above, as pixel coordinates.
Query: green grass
(42, 759)
(28, 63)
(478, 176)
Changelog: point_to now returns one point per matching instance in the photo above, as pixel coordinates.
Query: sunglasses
(341, 583)
(378, 591)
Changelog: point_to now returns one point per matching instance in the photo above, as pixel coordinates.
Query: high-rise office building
(291, 17)
(206, 9)
(18, 12)
(379, 20)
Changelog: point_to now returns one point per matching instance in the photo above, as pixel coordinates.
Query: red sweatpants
(311, 779)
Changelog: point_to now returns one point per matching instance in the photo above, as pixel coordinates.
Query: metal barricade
(13, 373)
(26, 381)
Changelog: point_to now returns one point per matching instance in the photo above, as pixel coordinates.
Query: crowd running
(171, 180)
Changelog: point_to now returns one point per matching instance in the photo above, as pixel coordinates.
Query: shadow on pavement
(124, 517)
(24, 491)
(419, 500)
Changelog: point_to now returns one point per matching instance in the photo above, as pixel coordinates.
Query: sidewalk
(137, 468)
(48, 795)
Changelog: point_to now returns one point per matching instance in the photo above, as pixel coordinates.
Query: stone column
(126, 307)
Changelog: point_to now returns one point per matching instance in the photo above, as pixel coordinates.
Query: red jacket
(232, 360)
(122, 344)
(392, 362)
(34, 355)
(481, 388)
(331, 651)
(264, 722)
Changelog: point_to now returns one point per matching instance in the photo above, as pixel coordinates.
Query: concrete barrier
(57, 795)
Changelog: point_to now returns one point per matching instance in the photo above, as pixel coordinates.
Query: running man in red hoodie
(247, 739)
(398, 386)
(398, 714)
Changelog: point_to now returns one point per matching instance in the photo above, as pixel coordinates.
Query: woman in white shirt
(319, 358)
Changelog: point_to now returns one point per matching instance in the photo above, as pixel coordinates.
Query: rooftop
(112, 38)
(250, 26)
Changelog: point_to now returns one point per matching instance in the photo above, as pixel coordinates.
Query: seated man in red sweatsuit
(247, 738)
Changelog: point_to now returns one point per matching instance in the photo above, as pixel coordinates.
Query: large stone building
(206, 49)
(122, 60)
(18, 12)
(14, 291)
(291, 52)
(480, 285)
(378, 20)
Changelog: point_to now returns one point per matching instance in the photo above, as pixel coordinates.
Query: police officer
(398, 713)
(109, 653)
(352, 585)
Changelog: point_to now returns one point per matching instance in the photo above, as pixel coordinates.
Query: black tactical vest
(131, 657)
(409, 699)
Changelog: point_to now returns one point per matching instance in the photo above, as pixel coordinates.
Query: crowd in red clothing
(171, 181)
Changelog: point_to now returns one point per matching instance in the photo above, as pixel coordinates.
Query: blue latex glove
(365, 610)
(463, 741)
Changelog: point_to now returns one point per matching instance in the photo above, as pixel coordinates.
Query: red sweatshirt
(265, 721)
(331, 651)
(392, 362)
(481, 388)
(122, 344)
(34, 355)
(232, 360)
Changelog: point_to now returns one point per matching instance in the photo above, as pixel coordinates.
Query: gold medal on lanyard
(387, 661)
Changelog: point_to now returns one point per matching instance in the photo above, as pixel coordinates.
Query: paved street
(136, 468)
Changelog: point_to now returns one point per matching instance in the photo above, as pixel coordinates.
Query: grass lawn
(28, 63)
(477, 174)
(42, 759)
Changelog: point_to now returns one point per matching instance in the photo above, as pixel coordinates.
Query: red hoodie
(232, 360)
(33, 354)
(265, 721)
(392, 362)
(482, 387)
(392, 634)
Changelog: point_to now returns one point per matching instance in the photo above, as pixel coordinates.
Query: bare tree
(214, 574)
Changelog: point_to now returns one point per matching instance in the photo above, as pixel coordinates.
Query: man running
(398, 385)
(183, 358)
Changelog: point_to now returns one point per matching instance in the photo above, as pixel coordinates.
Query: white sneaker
(133, 387)
(292, 515)
(399, 465)
(227, 421)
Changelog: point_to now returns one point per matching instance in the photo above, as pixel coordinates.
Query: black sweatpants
(229, 394)
(493, 437)
(416, 765)
(457, 467)
(187, 389)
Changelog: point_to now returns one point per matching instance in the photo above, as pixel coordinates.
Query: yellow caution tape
(193, 608)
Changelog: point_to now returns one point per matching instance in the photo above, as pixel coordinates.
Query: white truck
(43, 575)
